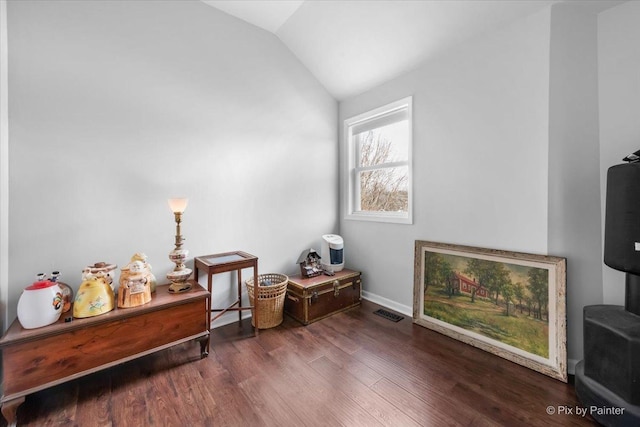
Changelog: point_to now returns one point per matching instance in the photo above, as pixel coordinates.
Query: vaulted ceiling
(352, 46)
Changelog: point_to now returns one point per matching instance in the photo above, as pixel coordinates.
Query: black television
(622, 218)
(622, 226)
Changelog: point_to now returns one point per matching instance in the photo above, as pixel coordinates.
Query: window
(379, 163)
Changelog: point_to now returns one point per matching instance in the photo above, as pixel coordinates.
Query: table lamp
(180, 273)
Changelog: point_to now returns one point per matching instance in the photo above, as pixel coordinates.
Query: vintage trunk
(311, 299)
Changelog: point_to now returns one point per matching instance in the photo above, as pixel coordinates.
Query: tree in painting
(508, 292)
(437, 271)
(518, 294)
(539, 290)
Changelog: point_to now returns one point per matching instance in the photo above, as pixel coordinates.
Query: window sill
(388, 217)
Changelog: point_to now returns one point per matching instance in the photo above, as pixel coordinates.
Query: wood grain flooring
(351, 369)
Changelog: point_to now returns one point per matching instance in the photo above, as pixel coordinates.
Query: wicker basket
(270, 299)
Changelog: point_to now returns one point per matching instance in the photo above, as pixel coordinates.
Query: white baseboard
(392, 305)
(571, 366)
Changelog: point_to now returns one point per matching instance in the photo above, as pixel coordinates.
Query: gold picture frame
(511, 304)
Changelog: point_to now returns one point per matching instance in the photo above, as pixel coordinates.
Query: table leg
(204, 347)
(240, 297)
(9, 410)
(210, 289)
(255, 299)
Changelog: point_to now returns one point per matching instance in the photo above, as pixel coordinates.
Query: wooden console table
(35, 359)
(225, 262)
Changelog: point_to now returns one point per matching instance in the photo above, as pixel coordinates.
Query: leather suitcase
(314, 298)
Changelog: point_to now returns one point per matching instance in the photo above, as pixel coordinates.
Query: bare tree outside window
(383, 189)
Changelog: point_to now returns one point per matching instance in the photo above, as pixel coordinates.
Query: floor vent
(389, 315)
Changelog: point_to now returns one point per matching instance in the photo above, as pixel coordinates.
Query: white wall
(117, 106)
(480, 156)
(4, 166)
(619, 92)
(574, 173)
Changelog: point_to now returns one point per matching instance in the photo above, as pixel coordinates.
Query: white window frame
(352, 190)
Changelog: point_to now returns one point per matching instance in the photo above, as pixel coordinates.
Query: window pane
(384, 190)
(384, 144)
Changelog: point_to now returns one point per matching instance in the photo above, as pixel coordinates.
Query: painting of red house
(511, 304)
(467, 286)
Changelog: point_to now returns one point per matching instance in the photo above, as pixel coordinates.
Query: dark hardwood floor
(351, 369)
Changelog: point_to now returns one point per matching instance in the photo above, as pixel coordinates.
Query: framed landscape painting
(511, 304)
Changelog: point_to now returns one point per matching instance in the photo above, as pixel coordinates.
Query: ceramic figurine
(94, 297)
(40, 304)
(309, 262)
(100, 269)
(135, 283)
(67, 292)
(139, 256)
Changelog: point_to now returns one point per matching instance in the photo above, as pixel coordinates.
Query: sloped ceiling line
(353, 46)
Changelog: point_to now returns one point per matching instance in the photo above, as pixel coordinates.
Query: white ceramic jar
(40, 304)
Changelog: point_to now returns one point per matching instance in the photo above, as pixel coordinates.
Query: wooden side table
(225, 262)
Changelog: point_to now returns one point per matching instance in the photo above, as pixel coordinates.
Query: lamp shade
(178, 205)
